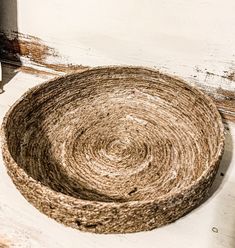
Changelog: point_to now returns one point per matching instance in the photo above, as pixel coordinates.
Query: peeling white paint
(178, 37)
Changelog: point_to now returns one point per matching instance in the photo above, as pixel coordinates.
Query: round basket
(113, 149)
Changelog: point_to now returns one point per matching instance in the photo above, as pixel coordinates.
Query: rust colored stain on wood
(34, 49)
(15, 45)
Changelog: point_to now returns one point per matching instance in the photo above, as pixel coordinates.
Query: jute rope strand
(113, 149)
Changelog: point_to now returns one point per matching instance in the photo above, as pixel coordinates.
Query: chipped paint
(16, 47)
(228, 75)
(39, 58)
(231, 76)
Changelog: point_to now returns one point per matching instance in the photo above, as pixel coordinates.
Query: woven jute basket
(113, 149)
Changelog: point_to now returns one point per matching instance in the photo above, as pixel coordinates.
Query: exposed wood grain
(15, 46)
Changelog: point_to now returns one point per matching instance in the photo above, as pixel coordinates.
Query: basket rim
(181, 191)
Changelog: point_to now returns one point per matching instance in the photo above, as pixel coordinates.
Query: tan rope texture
(113, 149)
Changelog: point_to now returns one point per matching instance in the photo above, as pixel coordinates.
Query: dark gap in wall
(8, 26)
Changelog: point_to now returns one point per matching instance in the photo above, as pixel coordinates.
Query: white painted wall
(179, 36)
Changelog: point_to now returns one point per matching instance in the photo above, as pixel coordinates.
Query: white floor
(212, 225)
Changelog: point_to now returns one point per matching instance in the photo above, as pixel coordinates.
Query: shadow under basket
(113, 149)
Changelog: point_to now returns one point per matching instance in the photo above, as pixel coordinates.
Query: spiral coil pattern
(113, 149)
